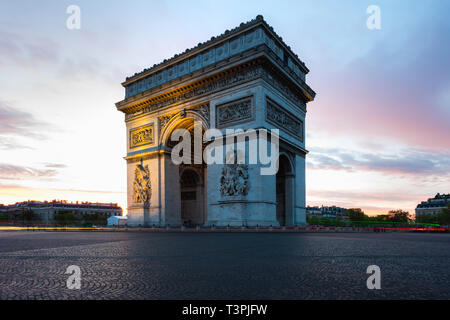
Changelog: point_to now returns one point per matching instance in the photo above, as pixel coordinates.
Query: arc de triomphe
(246, 78)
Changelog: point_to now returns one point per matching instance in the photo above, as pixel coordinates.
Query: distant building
(327, 212)
(334, 212)
(313, 212)
(433, 205)
(47, 210)
(117, 220)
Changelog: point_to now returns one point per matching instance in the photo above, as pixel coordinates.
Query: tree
(312, 219)
(427, 218)
(4, 217)
(444, 217)
(356, 214)
(65, 217)
(26, 216)
(398, 216)
(95, 218)
(382, 217)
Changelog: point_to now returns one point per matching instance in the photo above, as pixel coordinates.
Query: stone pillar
(171, 192)
(300, 196)
(290, 199)
(143, 192)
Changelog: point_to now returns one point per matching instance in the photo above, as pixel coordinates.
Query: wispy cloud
(8, 143)
(55, 165)
(17, 122)
(14, 172)
(366, 196)
(405, 162)
(27, 52)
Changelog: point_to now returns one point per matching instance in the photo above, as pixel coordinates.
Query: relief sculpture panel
(142, 189)
(284, 120)
(141, 136)
(234, 180)
(234, 112)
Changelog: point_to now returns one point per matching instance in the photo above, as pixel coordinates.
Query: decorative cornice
(200, 88)
(254, 69)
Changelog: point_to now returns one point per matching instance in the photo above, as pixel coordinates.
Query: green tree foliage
(427, 218)
(26, 216)
(380, 217)
(316, 221)
(95, 219)
(356, 214)
(398, 216)
(444, 216)
(65, 217)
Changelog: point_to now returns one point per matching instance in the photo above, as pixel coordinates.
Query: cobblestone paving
(150, 265)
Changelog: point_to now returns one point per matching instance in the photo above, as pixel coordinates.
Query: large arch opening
(285, 192)
(191, 175)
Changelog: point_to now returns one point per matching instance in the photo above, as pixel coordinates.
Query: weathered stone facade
(246, 78)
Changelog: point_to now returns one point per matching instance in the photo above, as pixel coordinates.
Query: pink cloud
(409, 163)
(395, 96)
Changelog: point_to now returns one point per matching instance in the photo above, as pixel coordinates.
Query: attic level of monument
(242, 41)
(182, 91)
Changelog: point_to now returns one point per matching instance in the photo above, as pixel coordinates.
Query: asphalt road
(156, 265)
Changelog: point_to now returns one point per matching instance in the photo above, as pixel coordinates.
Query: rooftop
(439, 201)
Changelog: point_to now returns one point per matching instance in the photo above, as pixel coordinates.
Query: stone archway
(190, 176)
(285, 192)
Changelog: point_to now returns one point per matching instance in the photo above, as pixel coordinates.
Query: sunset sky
(378, 132)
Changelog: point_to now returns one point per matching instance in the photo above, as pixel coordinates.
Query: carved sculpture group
(234, 180)
(142, 189)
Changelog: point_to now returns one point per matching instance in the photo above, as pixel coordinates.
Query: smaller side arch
(290, 161)
(285, 190)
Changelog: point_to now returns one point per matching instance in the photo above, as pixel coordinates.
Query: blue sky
(378, 132)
